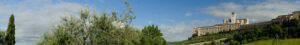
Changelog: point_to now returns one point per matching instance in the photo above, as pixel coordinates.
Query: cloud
(3, 28)
(203, 22)
(261, 11)
(32, 18)
(223, 9)
(178, 31)
(188, 14)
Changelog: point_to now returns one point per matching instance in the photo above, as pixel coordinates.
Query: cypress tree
(10, 32)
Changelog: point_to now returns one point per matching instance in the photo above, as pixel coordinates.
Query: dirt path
(201, 43)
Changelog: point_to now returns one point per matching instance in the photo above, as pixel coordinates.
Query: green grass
(295, 41)
(177, 43)
(203, 38)
(200, 39)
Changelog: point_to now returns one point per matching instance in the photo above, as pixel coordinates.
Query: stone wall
(215, 29)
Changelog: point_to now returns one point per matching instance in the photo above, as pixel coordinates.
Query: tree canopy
(10, 32)
(152, 36)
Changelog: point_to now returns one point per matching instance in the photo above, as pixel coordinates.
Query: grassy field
(201, 39)
(269, 42)
(177, 43)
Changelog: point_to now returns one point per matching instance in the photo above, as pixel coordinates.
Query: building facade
(228, 24)
(233, 24)
(233, 20)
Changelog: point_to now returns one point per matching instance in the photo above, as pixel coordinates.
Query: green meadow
(269, 42)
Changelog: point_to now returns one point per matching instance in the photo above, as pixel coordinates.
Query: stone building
(215, 29)
(233, 20)
(228, 24)
(281, 18)
(233, 24)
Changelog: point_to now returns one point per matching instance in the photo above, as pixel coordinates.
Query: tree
(276, 30)
(92, 29)
(2, 36)
(10, 32)
(106, 28)
(152, 36)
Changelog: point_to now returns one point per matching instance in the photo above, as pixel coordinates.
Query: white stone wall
(215, 29)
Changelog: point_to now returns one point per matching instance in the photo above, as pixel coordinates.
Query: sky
(175, 18)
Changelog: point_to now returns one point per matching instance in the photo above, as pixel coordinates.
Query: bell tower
(247, 20)
(233, 18)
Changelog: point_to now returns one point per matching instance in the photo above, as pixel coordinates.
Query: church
(234, 24)
(228, 24)
(233, 20)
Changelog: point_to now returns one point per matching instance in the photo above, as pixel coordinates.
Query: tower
(225, 21)
(247, 20)
(233, 17)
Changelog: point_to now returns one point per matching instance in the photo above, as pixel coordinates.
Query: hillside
(269, 42)
(204, 38)
(282, 27)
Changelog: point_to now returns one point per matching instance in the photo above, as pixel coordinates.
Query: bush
(232, 42)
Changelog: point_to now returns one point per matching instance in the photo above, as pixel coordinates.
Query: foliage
(293, 41)
(232, 42)
(2, 36)
(96, 29)
(152, 36)
(10, 32)
(107, 28)
(284, 30)
(177, 42)
(209, 37)
(216, 43)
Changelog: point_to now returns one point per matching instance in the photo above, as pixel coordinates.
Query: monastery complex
(234, 24)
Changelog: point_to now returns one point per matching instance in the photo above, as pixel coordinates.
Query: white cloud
(32, 18)
(171, 21)
(182, 31)
(177, 32)
(223, 9)
(3, 28)
(188, 14)
(262, 11)
(203, 22)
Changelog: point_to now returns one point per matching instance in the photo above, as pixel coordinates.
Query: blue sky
(175, 18)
